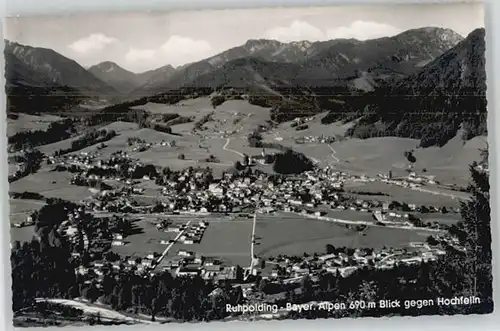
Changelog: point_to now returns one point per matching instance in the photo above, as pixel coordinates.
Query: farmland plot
(294, 235)
(26, 122)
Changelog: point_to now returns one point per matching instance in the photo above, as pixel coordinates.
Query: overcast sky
(143, 41)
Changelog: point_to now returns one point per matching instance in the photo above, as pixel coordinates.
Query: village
(112, 182)
(249, 194)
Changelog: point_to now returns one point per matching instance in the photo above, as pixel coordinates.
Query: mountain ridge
(364, 63)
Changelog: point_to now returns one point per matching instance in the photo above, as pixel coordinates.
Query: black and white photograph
(245, 165)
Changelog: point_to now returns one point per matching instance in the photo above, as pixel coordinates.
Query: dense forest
(432, 119)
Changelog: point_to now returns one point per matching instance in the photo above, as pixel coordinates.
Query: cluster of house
(304, 193)
(188, 263)
(482, 167)
(123, 204)
(412, 180)
(283, 269)
(86, 161)
(302, 120)
(170, 143)
(190, 234)
(301, 194)
(293, 269)
(69, 229)
(253, 190)
(82, 160)
(185, 263)
(138, 264)
(118, 240)
(315, 139)
(141, 147)
(27, 222)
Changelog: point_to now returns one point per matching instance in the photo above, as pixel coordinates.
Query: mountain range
(426, 58)
(361, 64)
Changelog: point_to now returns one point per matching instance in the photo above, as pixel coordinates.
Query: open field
(70, 193)
(233, 115)
(409, 196)
(294, 235)
(27, 122)
(142, 244)
(194, 155)
(449, 219)
(315, 128)
(20, 209)
(12, 168)
(449, 164)
(190, 107)
(196, 151)
(22, 234)
(239, 115)
(150, 194)
(241, 145)
(51, 184)
(119, 142)
(228, 239)
(21, 206)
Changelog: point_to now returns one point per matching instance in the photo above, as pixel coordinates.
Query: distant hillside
(18, 74)
(248, 71)
(35, 66)
(365, 64)
(446, 95)
(109, 72)
(266, 50)
(149, 79)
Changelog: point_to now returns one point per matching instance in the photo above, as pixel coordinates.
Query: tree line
(56, 131)
(90, 138)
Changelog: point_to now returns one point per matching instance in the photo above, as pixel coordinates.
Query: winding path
(94, 309)
(231, 150)
(333, 154)
(451, 195)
